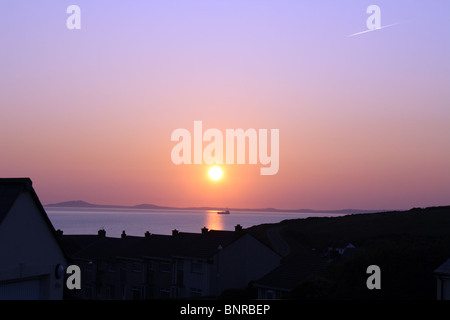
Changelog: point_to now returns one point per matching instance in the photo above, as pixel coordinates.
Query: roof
(10, 189)
(293, 271)
(341, 244)
(191, 245)
(73, 244)
(444, 268)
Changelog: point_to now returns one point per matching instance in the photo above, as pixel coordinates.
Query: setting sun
(215, 173)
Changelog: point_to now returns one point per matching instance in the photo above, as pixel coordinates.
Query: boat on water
(223, 212)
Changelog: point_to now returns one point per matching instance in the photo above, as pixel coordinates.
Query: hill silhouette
(84, 204)
(407, 246)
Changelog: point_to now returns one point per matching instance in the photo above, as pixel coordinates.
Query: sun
(215, 173)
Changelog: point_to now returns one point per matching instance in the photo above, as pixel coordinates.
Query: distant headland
(84, 204)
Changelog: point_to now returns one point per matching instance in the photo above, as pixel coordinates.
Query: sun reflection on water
(214, 221)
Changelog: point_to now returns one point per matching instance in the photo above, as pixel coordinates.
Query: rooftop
(293, 271)
(443, 268)
(9, 191)
(194, 245)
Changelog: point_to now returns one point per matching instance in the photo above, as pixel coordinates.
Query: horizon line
(66, 204)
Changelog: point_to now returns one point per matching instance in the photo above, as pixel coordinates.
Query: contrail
(389, 25)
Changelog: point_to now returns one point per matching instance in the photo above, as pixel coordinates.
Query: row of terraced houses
(167, 266)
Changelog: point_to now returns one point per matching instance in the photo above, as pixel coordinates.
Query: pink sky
(87, 114)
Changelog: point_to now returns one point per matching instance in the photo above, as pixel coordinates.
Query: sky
(88, 113)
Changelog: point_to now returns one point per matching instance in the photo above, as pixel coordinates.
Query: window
(164, 292)
(174, 292)
(180, 278)
(124, 292)
(123, 275)
(150, 272)
(112, 267)
(89, 266)
(109, 292)
(136, 293)
(88, 292)
(196, 292)
(196, 267)
(270, 294)
(165, 267)
(136, 267)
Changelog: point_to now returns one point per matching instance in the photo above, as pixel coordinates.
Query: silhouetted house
(32, 260)
(280, 282)
(338, 249)
(163, 266)
(442, 274)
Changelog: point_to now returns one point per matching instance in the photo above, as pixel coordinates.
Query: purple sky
(364, 121)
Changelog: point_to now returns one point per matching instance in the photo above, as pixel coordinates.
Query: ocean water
(136, 222)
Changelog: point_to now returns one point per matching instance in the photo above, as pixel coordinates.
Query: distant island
(84, 204)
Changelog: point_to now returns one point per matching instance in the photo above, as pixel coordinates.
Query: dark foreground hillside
(407, 246)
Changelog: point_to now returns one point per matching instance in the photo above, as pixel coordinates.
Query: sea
(136, 222)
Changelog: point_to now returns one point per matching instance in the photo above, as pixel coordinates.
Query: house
(339, 248)
(180, 265)
(442, 274)
(294, 271)
(32, 260)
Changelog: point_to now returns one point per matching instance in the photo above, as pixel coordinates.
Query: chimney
(59, 233)
(147, 234)
(102, 233)
(238, 228)
(175, 232)
(204, 230)
(124, 235)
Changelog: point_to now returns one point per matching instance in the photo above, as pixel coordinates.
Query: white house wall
(243, 261)
(28, 248)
